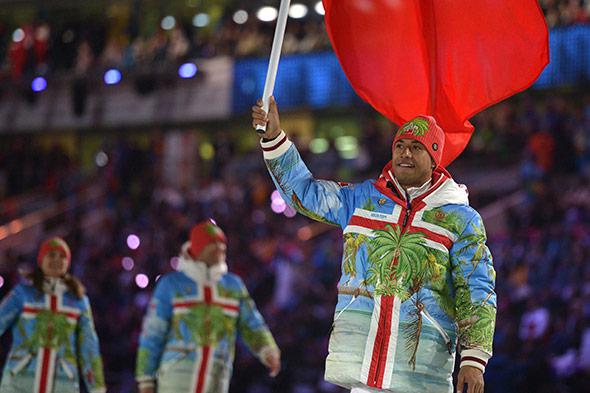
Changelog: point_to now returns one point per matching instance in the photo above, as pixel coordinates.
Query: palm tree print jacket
(417, 278)
(189, 333)
(53, 341)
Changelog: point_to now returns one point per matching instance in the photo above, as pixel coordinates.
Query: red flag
(446, 58)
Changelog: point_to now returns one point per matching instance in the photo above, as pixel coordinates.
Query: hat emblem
(417, 127)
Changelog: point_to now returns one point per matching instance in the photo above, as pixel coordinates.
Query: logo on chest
(208, 297)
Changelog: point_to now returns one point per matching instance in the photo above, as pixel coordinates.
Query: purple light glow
(133, 242)
(39, 84)
(141, 280)
(187, 70)
(127, 263)
(290, 212)
(112, 77)
(277, 204)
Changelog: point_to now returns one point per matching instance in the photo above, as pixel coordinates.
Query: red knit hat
(54, 243)
(424, 130)
(204, 233)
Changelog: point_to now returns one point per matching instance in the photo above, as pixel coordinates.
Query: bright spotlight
(133, 242)
(39, 84)
(187, 70)
(141, 280)
(319, 8)
(201, 20)
(240, 17)
(297, 11)
(168, 22)
(112, 76)
(18, 35)
(101, 159)
(267, 14)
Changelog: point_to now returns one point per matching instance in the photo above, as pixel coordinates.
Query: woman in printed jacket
(53, 335)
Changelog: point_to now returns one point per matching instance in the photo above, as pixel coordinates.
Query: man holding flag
(417, 277)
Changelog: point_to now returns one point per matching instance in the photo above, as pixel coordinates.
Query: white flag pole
(275, 54)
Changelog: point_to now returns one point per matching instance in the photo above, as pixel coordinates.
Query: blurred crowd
(39, 48)
(32, 175)
(96, 43)
(293, 282)
(565, 12)
(291, 268)
(548, 133)
(542, 342)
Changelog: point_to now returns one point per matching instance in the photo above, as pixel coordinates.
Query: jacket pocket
(66, 368)
(21, 364)
(181, 354)
(426, 315)
(337, 316)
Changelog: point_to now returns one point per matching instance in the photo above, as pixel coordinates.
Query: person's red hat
(205, 233)
(54, 243)
(424, 130)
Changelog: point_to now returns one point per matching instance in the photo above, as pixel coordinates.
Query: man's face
(213, 253)
(54, 263)
(411, 163)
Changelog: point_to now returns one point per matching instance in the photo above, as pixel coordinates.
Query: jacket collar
(440, 190)
(198, 271)
(54, 286)
(412, 192)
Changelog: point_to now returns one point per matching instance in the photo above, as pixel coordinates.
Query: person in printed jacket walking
(53, 335)
(417, 277)
(189, 333)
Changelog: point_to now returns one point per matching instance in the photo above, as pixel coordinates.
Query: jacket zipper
(425, 313)
(408, 210)
(379, 361)
(405, 222)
